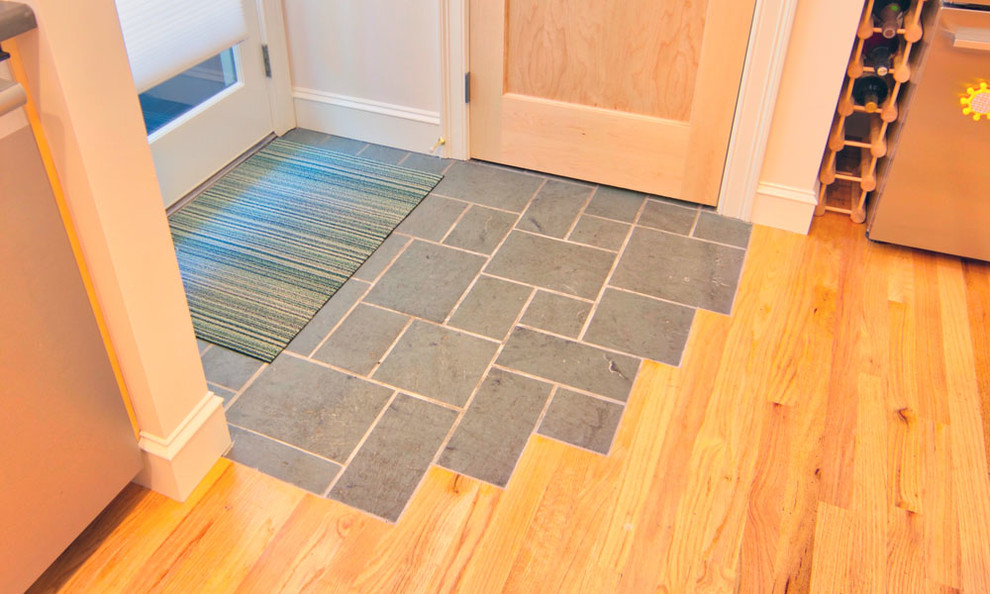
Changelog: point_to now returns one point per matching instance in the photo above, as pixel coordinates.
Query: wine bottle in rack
(878, 52)
(889, 15)
(870, 92)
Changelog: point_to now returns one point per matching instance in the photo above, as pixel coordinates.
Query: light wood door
(638, 94)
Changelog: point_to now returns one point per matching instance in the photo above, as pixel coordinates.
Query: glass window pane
(163, 103)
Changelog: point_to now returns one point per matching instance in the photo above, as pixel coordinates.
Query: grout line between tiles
(694, 224)
(655, 298)
(247, 384)
(209, 345)
(701, 239)
(611, 272)
(360, 444)
(501, 344)
(481, 380)
(468, 202)
(567, 241)
(285, 443)
(358, 301)
(582, 342)
(388, 351)
(374, 381)
(433, 323)
(544, 289)
(544, 380)
(584, 206)
(543, 413)
(456, 222)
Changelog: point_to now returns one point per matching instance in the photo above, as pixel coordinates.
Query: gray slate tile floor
(508, 304)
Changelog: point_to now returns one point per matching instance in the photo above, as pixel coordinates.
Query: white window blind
(166, 37)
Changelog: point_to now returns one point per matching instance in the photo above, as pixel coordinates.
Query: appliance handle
(12, 96)
(972, 38)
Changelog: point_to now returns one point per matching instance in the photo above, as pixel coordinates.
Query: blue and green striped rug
(264, 248)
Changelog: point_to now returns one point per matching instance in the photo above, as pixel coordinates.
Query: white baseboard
(174, 465)
(371, 121)
(784, 207)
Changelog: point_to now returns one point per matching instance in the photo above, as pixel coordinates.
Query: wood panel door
(638, 94)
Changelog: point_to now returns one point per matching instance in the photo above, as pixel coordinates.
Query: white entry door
(203, 118)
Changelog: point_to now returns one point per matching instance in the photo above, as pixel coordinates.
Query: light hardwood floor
(829, 436)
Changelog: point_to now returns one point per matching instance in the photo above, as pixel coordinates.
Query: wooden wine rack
(850, 166)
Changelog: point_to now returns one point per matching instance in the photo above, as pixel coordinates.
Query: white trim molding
(455, 125)
(784, 207)
(272, 25)
(371, 121)
(765, 56)
(174, 465)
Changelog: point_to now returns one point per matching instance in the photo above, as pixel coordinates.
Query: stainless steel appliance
(936, 191)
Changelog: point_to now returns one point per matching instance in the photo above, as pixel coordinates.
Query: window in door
(168, 101)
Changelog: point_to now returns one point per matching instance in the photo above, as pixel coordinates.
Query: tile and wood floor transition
(827, 436)
(507, 303)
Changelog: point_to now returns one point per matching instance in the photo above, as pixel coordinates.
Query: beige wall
(78, 77)
(817, 55)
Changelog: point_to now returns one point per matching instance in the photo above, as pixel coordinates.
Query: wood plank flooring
(829, 436)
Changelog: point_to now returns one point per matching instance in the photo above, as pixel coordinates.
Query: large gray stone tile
(383, 154)
(668, 217)
(437, 362)
(641, 326)
(362, 338)
(344, 145)
(227, 368)
(304, 136)
(603, 233)
(681, 269)
(323, 322)
(552, 264)
(490, 438)
(581, 420)
(488, 185)
(281, 461)
(554, 209)
(427, 163)
(481, 229)
(491, 307)
(557, 314)
(723, 229)
(615, 203)
(384, 474)
(379, 260)
(426, 281)
(432, 218)
(577, 365)
(309, 406)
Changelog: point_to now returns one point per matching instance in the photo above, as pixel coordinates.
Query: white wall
(817, 56)
(367, 69)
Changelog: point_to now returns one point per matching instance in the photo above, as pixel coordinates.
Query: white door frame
(767, 50)
(272, 22)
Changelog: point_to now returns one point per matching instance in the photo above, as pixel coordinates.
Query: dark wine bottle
(870, 92)
(878, 52)
(890, 15)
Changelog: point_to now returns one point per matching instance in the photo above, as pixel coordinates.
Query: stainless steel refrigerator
(936, 191)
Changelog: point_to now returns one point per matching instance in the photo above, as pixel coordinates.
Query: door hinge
(467, 87)
(268, 61)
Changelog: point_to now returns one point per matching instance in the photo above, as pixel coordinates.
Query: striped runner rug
(263, 248)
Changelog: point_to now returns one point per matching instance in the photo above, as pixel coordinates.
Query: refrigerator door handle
(972, 38)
